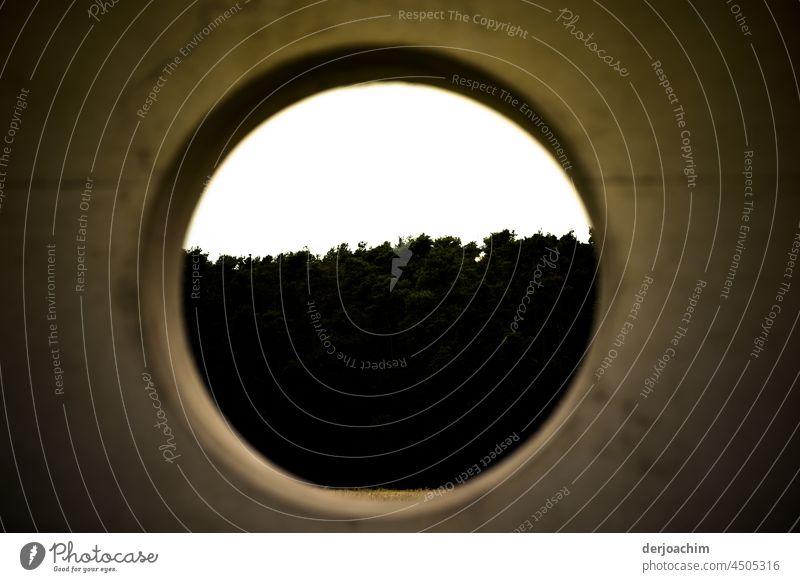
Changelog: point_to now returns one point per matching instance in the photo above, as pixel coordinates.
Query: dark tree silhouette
(346, 383)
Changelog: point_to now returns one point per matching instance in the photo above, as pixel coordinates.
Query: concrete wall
(713, 446)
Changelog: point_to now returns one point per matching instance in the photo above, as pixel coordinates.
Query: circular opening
(388, 286)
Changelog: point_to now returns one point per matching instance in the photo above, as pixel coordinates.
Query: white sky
(375, 162)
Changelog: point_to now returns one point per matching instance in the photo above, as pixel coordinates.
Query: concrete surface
(712, 446)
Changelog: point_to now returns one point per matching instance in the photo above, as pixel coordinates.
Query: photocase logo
(31, 555)
(404, 255)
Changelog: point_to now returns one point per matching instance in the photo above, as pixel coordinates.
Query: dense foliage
(346, 381)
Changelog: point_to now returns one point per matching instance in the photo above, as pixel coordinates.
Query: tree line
(397, 366)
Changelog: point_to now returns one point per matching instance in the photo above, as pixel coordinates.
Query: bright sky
(375, 162)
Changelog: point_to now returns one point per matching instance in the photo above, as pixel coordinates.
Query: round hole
(388, 286)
